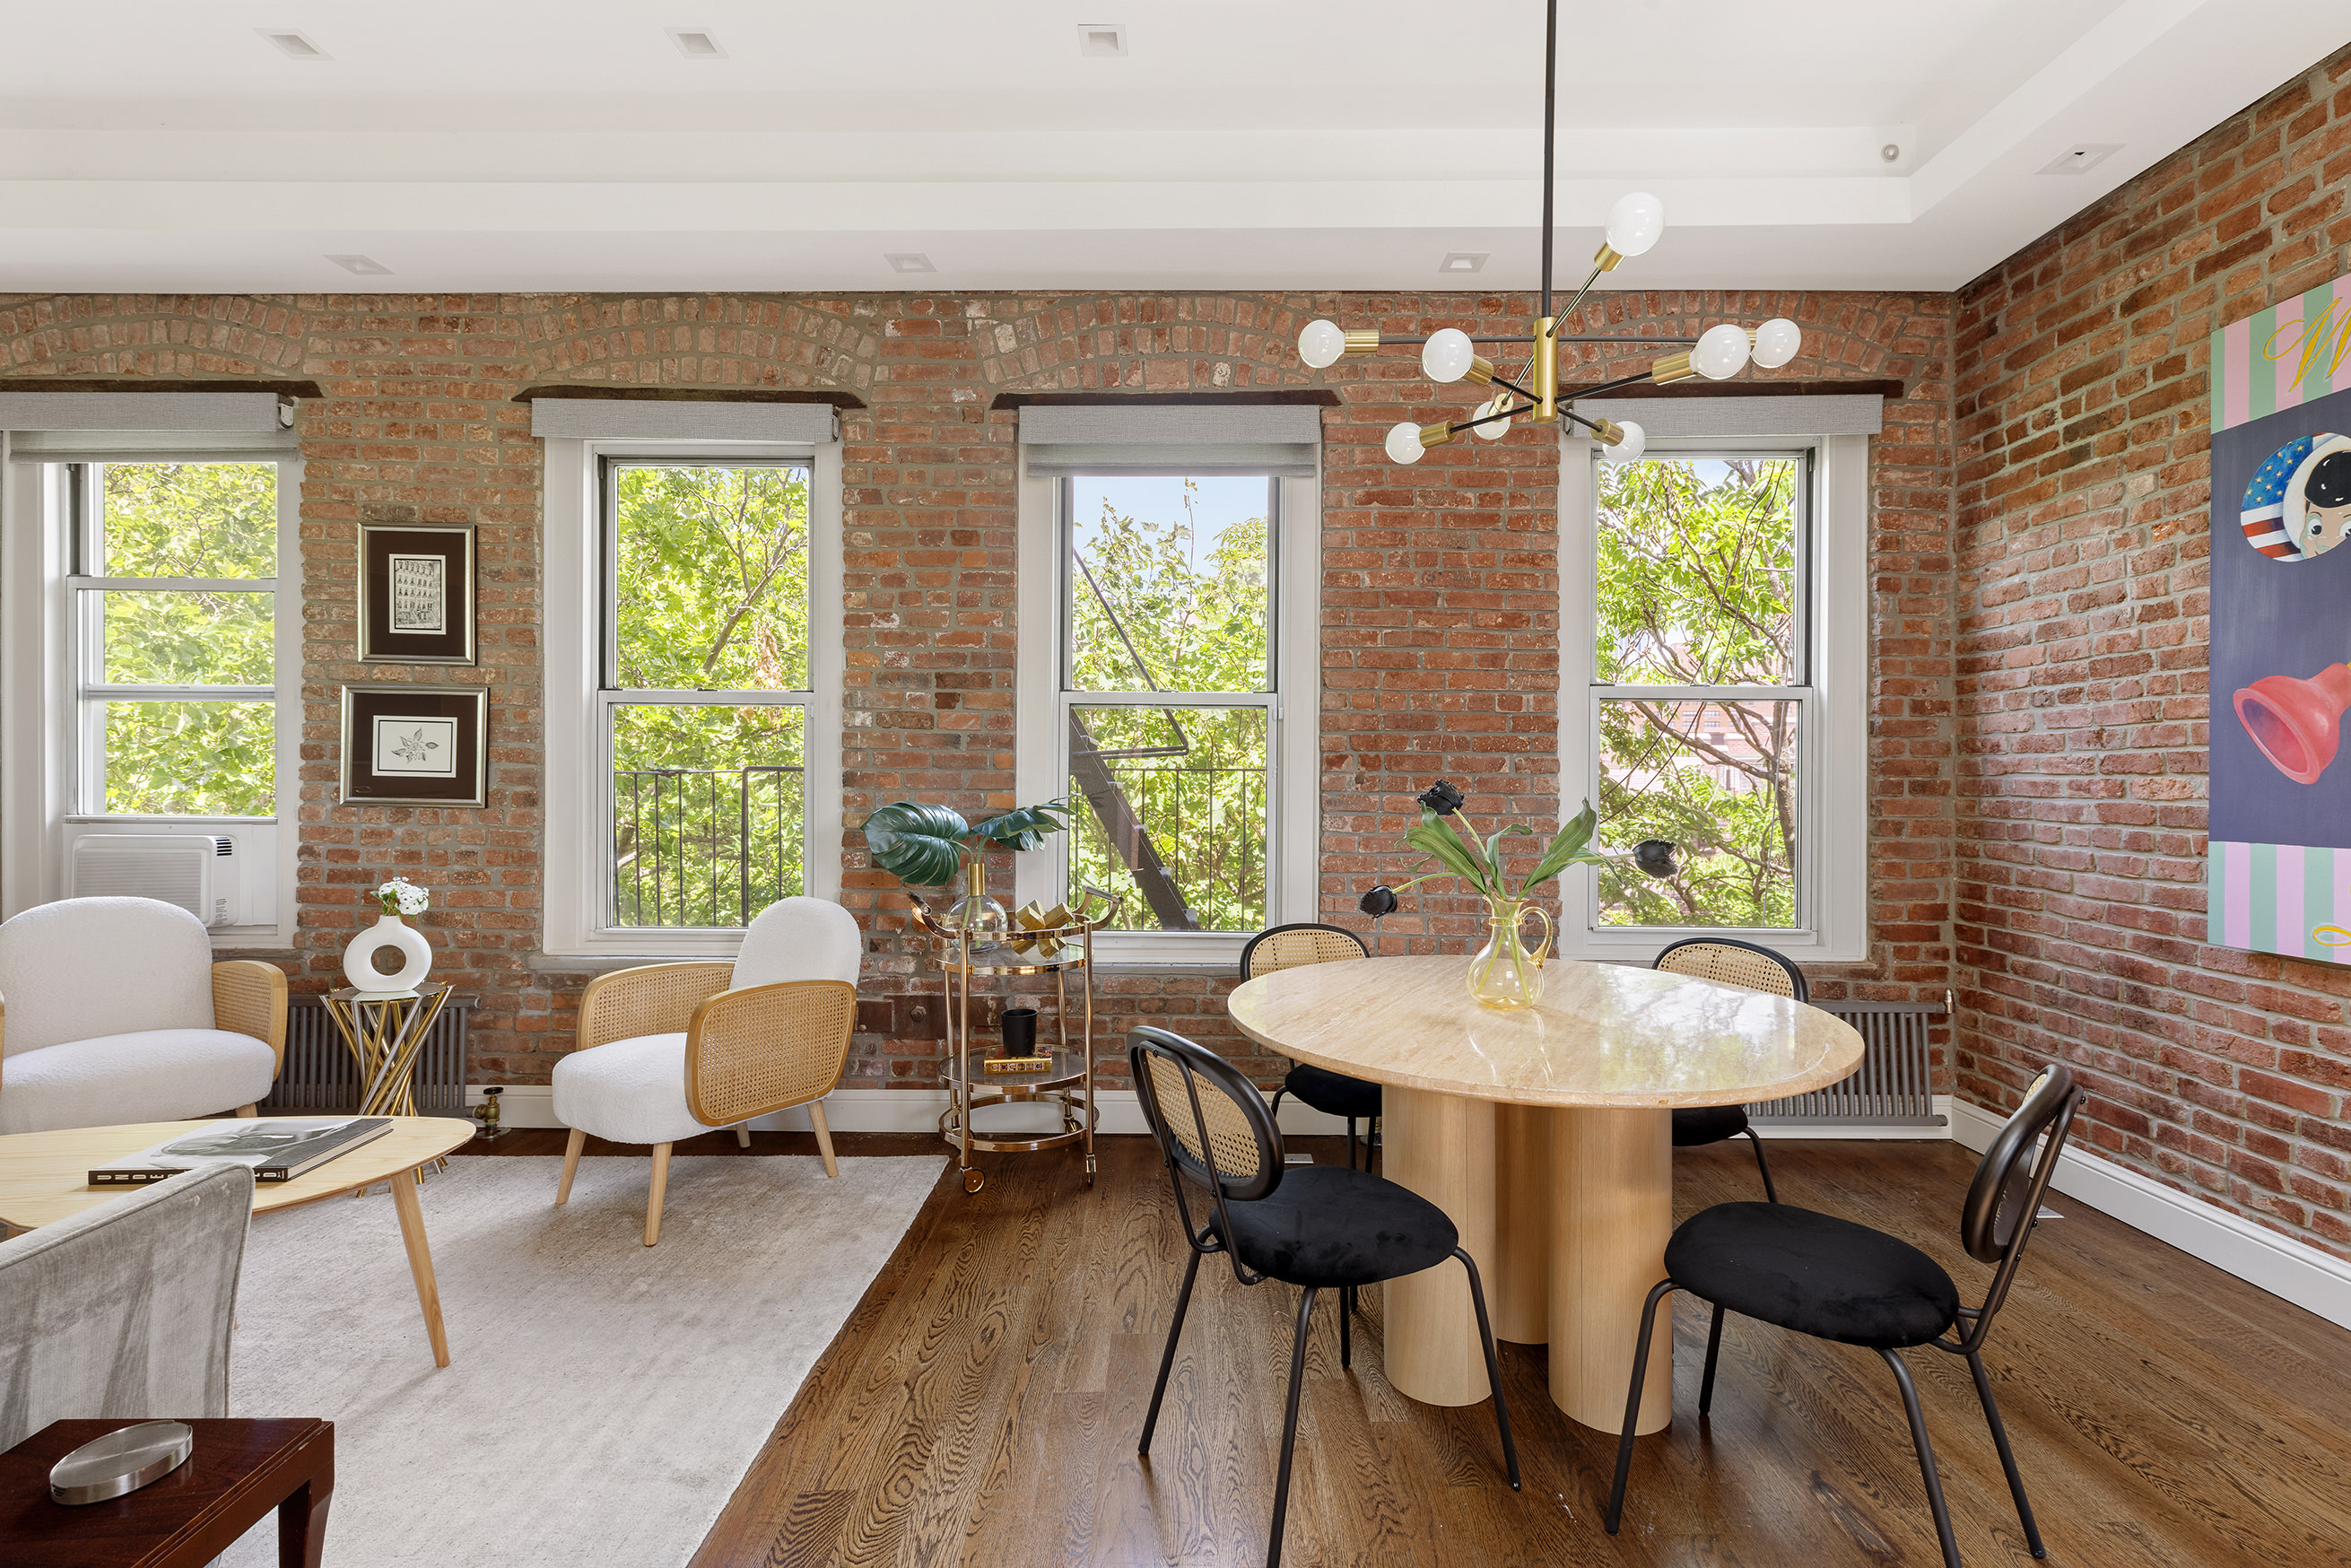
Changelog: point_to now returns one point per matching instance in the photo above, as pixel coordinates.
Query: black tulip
(1655, 856)
(1442, 798)
(1381, 900)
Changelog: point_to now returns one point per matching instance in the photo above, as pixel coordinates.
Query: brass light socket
(1364, 341)
(1546, 372)
(1608, 432)
(1673, 368)
(1605, 260)
(1435, 435)
(1481, 370)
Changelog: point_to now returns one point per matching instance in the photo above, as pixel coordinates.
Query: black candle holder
(1020, 1032)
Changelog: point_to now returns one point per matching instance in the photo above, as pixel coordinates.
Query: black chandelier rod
(1550, 90)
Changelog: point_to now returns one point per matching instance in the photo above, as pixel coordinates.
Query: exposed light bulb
(1498, 428)
(1321, 343)
(1448, 355)
(1403, 443)
(1629, 446)
(1720, 351)
(1635, 223)
(1776, 342)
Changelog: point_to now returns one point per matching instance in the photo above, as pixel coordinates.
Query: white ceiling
(561, 144)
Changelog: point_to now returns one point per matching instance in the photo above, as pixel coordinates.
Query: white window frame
(578, 772)
(44, 743)
(1293, 710)
(1833, 759)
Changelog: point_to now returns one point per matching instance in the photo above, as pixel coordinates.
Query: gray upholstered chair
(125, 1309)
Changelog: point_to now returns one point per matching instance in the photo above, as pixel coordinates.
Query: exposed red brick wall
(1440, 592)
(2083, 543)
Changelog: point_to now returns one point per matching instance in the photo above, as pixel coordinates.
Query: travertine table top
(1604, 1034)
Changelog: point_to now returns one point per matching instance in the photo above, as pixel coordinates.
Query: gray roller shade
(1186, 438)
(650, 419)
(1841, 414)
(125, 427)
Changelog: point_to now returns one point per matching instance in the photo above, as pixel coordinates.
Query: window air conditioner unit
(196, 872)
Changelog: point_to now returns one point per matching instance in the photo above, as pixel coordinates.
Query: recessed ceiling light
(2082, 157)
(293, 45)
(697, 43)
(1101, 40)
(1464, 261)
(909, 261)
(365, 266)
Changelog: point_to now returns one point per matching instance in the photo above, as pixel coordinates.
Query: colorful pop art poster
(2280, 869)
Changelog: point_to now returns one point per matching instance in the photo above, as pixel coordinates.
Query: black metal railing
(702, 846)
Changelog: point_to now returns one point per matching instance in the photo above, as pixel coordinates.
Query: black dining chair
(1835, 1279)
(1733, 963)
(1332, 1093)
(1316, 1227)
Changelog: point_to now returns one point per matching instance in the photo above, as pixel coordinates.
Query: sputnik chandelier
(1450, 355)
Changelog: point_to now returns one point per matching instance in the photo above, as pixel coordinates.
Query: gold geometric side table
(384, 1035)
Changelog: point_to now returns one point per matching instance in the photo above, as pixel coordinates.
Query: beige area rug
(603, 1397)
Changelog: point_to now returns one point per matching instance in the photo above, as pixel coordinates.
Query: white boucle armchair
(112, 1010)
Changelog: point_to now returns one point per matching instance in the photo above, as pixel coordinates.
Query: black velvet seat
(1729, 962)
(1332, 1093)
(1320, 1228)
(1816, 1274)
(1330, 1228)
(1813, 1273)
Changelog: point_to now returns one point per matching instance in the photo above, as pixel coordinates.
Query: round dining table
(1546, 1134)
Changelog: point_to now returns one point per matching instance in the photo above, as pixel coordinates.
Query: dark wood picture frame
(416, 745)
(417, 594)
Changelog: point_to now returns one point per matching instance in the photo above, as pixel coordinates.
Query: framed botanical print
(416, 595)
(414, 746)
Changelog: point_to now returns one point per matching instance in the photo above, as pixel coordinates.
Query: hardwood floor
(981, 1405)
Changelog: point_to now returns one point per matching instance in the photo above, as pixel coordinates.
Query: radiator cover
(319, 1073)
(1893, 1086)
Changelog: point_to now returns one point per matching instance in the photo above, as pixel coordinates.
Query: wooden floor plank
(982, 1404)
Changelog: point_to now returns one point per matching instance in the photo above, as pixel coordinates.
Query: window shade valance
(120, 427)
(1846, 414)
(634, 419)
(1203, 439)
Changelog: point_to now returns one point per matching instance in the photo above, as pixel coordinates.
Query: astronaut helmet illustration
(2319, 499)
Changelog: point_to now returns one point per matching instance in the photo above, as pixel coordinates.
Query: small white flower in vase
(396, 898)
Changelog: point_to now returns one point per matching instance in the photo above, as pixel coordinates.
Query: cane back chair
(1332, 1093)
(1731, 963)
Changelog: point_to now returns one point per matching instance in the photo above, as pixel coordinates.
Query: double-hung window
(694, 669)
(1713, 686)
(151, 654)
(1168, 683)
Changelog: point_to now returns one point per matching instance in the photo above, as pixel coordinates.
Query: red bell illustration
(2297, 723)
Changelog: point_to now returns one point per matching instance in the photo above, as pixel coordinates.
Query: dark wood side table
(239, 1471)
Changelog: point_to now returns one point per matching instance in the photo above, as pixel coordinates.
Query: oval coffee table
(45, 1178)
(1546, 1134)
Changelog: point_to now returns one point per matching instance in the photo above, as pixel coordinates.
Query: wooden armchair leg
(571, 1147)
(252, 1110)
(660, 1187)
(742, 1134)
(823, 1138)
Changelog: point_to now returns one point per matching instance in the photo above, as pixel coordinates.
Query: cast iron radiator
(1892, 1088)
(319, 1074)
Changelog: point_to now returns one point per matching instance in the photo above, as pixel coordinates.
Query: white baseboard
(910, 1111)
(2310, 1278)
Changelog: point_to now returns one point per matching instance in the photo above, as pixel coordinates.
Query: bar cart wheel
(976, 1178)
(1089, 1170)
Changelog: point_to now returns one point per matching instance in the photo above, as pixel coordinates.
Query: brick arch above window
(1143, 342)
(695, 340)
(152, 334)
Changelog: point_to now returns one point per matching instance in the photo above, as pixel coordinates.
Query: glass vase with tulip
(1505, 972)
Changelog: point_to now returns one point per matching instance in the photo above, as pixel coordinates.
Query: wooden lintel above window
(154, 384)
(1891, 391)
(625, 392)
(1255, 397)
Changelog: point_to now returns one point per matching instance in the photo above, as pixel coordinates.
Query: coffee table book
(277, 1149)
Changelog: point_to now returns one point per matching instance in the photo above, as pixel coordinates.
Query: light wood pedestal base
(1611, 1180)
(1442, 1147)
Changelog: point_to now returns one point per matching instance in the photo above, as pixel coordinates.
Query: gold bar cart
(1068, 1084)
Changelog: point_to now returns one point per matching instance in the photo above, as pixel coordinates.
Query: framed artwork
(416, 595)
(2278, 873)
(414, 746)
